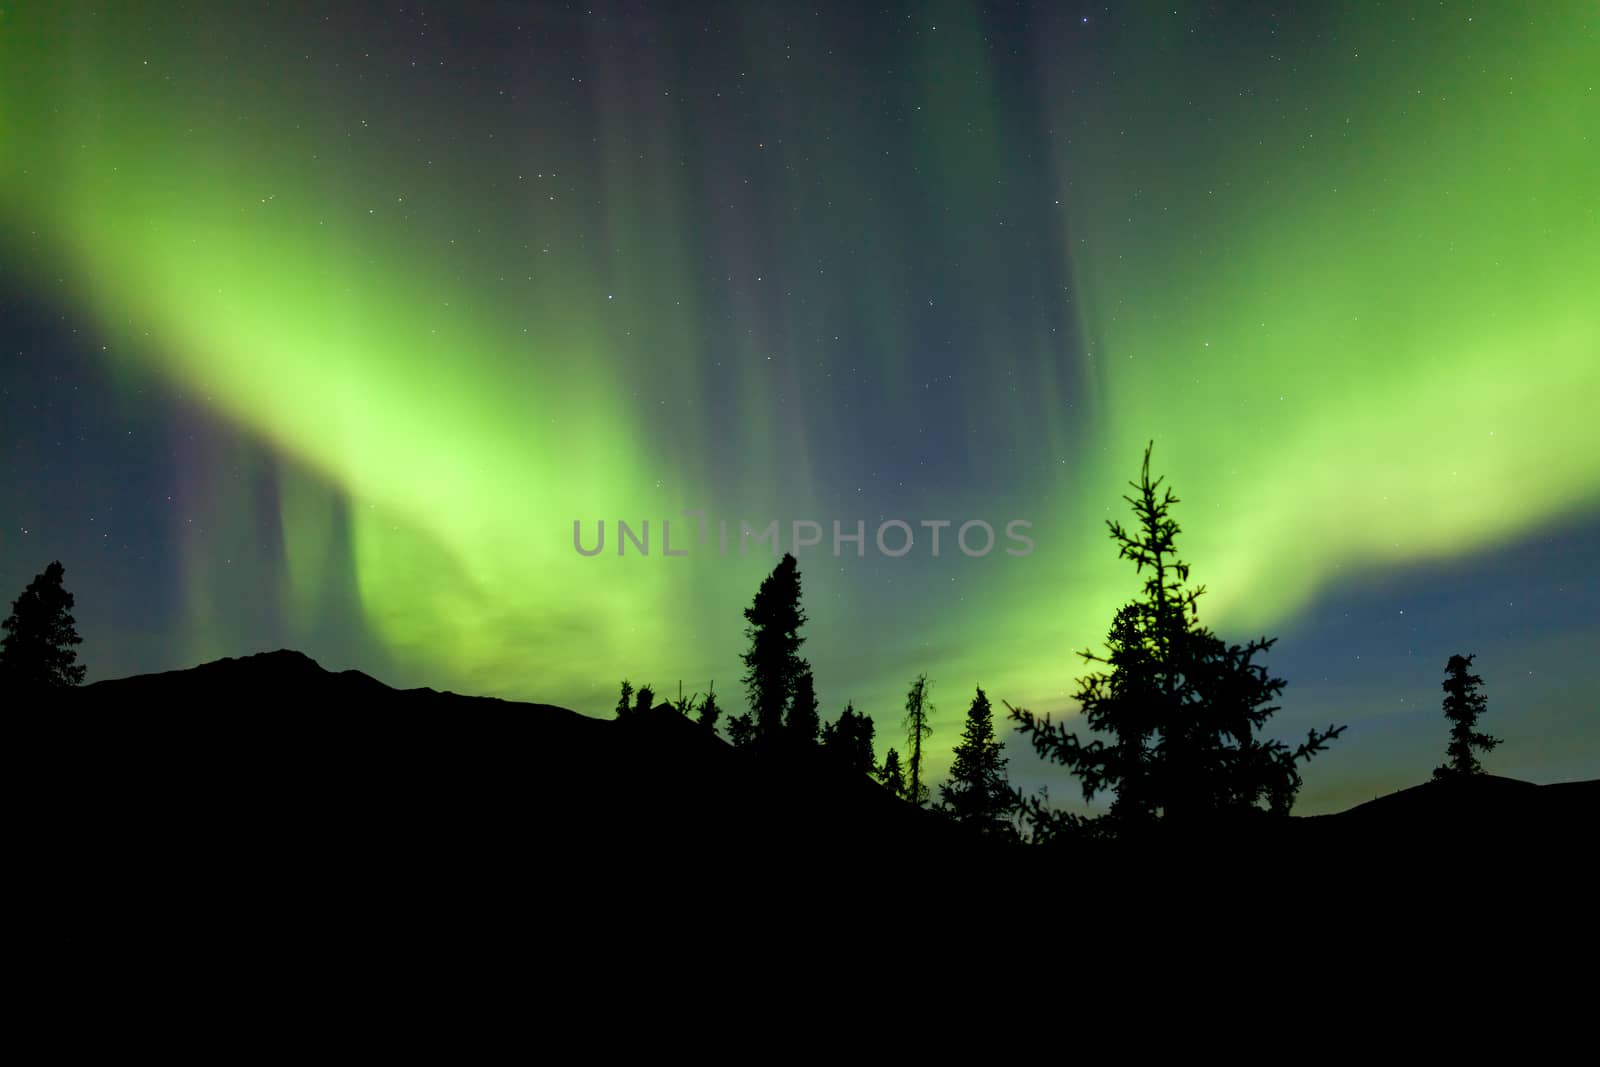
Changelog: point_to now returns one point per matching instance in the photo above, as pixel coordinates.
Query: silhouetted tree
(890, 774)
(684, 704)
(773, 664)
(1178, 707)
(918, 709)
(977, 793)
(848, 741)
(1463, 703)
(37, 651)
(644, 700)
(802, 721)
(741, 730)
(709, 710)
(625, 702)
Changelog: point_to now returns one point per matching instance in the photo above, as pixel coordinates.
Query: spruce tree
(741, 731)
(625, 702)
(709, 710)
(1463, 703)
(37, 651)
(918, 709)
(978, 794)
(1177, 708)
(772, 662)
(848, 741)
(890, 774)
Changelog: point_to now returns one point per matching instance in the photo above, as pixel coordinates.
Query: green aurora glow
(1355, 303)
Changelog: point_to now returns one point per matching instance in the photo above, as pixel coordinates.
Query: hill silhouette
(268, 778)
(276, 743)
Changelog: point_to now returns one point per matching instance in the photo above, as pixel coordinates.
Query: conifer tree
(772, 662)
(625, 701)
(741, 730)
(37, 652)
(709, 710)
(918, 710)
(890, 774)
(1177, 709)
(977, 793)
(848, 741)
(1463, 703)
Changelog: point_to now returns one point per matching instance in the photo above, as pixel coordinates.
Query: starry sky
(322, 325)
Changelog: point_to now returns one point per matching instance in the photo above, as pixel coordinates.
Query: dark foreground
(266, 801)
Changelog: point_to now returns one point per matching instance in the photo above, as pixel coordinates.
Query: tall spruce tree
(918, 710)
(772, 662)
(1463, 703)
(37, 652)
(1177, 709)
(977, 793)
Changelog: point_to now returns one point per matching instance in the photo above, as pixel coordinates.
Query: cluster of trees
(1178, 712)
(634, 705)
(784, 713)
(1175, 714)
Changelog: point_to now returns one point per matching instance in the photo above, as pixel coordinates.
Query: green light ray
(1360, 323)
(1320, 292)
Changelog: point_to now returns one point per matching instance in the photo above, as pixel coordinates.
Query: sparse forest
(1173, 716)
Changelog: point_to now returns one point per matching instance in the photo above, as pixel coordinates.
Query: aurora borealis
(321, 329)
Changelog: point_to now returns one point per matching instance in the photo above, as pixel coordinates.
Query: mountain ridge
(273, 759)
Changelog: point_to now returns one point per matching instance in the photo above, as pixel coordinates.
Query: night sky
(321, 330)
